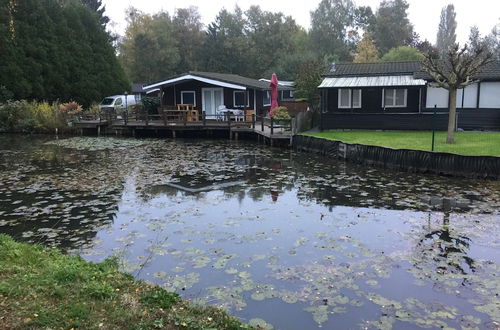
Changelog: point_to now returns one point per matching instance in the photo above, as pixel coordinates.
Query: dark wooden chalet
(397, 96)
(208, 91)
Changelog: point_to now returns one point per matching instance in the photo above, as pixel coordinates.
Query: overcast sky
(424, 14)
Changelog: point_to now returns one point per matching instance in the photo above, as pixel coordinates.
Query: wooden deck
(265, 130)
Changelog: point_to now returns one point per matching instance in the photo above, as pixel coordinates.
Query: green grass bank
(43, 288)
(466, 143)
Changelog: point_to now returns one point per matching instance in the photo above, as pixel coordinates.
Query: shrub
(281, 113)
(14, 116)
(151, 104)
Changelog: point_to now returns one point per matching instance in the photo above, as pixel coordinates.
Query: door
(212, 98)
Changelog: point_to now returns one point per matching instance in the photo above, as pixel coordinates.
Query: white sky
(424, 14)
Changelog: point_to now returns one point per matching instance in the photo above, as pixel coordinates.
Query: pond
(280, 239)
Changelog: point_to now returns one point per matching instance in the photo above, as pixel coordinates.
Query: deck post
(204, 118)
(173, 134)
(164, 117)
(98, 130)
(185, 117)
(253, 120)
(272, 127)
(262, 123)
(236, 136)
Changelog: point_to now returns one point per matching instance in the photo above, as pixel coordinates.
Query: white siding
(470, 97)
(489, 95)
(438, 97)
(459, 98)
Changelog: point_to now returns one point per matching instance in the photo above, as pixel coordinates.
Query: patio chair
(221, 112)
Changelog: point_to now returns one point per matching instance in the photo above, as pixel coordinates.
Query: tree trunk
(450, 138)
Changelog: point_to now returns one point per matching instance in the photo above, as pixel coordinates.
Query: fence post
(433, 127)
(253, 120)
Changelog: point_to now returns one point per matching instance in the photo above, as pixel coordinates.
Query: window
(267, 98)
(137, 97)
(395, 98)
(287, 95)
(119, 101)
(188, 97)
(239, 99)
(349, 98)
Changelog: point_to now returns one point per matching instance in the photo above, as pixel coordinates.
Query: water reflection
(299, 241)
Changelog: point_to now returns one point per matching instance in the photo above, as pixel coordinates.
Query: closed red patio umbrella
(274, 93)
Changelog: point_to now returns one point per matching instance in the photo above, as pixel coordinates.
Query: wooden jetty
(265, 130)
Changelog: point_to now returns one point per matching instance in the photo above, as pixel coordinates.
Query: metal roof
(374, 69)
(377, 81)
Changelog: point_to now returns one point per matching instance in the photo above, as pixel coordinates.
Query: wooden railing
(272, 125)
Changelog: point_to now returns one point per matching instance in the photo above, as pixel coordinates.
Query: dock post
(236, 136)
(272, 126)
(262, 123)
(133, 132)
(173, 134)
(98, 130)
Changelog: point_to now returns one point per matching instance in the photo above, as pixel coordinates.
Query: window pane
(356, 98)
(118, 101)
(288, 94)
(389, 97)
(188, 98)
(239, 99)
(267, 98)
(400, 97)
(344, 98)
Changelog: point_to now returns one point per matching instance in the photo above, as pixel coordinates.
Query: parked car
(117, 103)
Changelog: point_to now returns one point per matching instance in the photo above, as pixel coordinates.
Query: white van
(118, 102)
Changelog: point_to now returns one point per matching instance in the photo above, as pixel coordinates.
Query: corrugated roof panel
(379, 81)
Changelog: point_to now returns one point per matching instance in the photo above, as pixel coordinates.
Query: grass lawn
(42, 288)
(466, 143)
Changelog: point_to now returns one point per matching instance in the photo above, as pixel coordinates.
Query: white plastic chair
(221, 112)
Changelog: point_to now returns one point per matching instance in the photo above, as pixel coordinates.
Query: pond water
(277, 238)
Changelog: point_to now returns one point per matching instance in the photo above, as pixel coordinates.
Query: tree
(57, 50)
(308, 80)
(446, 36)
(271, 36)
(99, 8)
(392, 27)
(457, 70)
(188, 33)
(148, 50)
(402, 53)
(366, 51)
(226, 47)
(331, 23)
(493, 40)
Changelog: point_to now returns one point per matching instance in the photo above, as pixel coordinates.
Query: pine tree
(366, 51)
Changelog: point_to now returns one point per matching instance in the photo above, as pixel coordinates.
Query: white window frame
(185, 92)
(244, 97)
(263, 98)
(351, 104)
(394, 105)
(360, 98)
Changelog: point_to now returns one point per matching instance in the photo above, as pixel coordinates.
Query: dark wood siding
(385, 121)
(168, 96)
(371, 101)
(479, 119)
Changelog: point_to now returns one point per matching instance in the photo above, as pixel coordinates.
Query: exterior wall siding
(384, 121)
(372, 116)
(371, 101)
